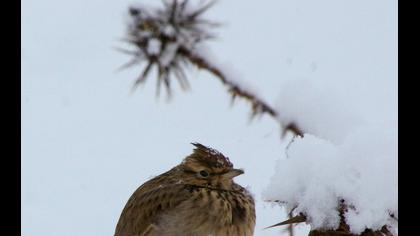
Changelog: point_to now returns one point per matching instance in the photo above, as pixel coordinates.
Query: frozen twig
(167, 39)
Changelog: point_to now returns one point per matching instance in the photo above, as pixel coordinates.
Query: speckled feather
(175, 203)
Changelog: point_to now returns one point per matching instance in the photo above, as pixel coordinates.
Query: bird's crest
(210, 156)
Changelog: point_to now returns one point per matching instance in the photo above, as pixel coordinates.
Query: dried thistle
(163, 35)
(171, 39)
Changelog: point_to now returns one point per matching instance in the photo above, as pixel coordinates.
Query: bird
(198, 197)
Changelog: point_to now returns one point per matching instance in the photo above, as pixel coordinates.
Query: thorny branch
(343, 228)
(169, 40)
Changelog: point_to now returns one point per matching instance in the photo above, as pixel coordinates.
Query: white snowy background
(87, 143)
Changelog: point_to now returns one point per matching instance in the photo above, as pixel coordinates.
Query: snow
(235, 77)
(168, 54)
(362, 171)
(153, 46)
(349, 151)
(168, 30)
(87, 144)
(320, 108)
(346, 102)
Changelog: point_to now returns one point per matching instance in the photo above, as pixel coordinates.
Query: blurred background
(88, 143)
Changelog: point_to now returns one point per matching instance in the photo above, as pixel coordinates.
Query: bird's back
(170, 209)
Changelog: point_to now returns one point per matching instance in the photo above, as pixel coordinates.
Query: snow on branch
(341, 176)
(347, 187)
(171, 39)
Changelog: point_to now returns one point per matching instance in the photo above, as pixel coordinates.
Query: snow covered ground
(87, 143)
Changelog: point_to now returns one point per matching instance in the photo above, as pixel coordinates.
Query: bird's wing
(145, 205)
(150, 230)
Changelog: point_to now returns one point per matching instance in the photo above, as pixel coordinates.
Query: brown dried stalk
(168, 40)
(342, 230)
(177, 30)
(258, 106)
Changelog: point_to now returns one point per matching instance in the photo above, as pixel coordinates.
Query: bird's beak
(233, 173)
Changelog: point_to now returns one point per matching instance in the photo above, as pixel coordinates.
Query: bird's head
(208, 167)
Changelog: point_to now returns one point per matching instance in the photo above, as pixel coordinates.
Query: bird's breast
(211, 212)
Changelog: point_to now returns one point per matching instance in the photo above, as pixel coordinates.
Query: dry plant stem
(258, 106)
(187, 25)
(188, 29)
(342, 230)
(290, 227)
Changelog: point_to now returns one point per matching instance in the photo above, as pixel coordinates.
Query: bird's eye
(204, 173)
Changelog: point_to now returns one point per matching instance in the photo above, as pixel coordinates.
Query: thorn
(143, 77)
(202, 9)
(293, 220)
(129, 64)
(232, 100)
(126, 51)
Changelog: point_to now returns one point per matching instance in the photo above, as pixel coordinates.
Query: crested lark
(195, 198)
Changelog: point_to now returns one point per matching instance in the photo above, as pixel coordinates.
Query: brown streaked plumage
(198, 197)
